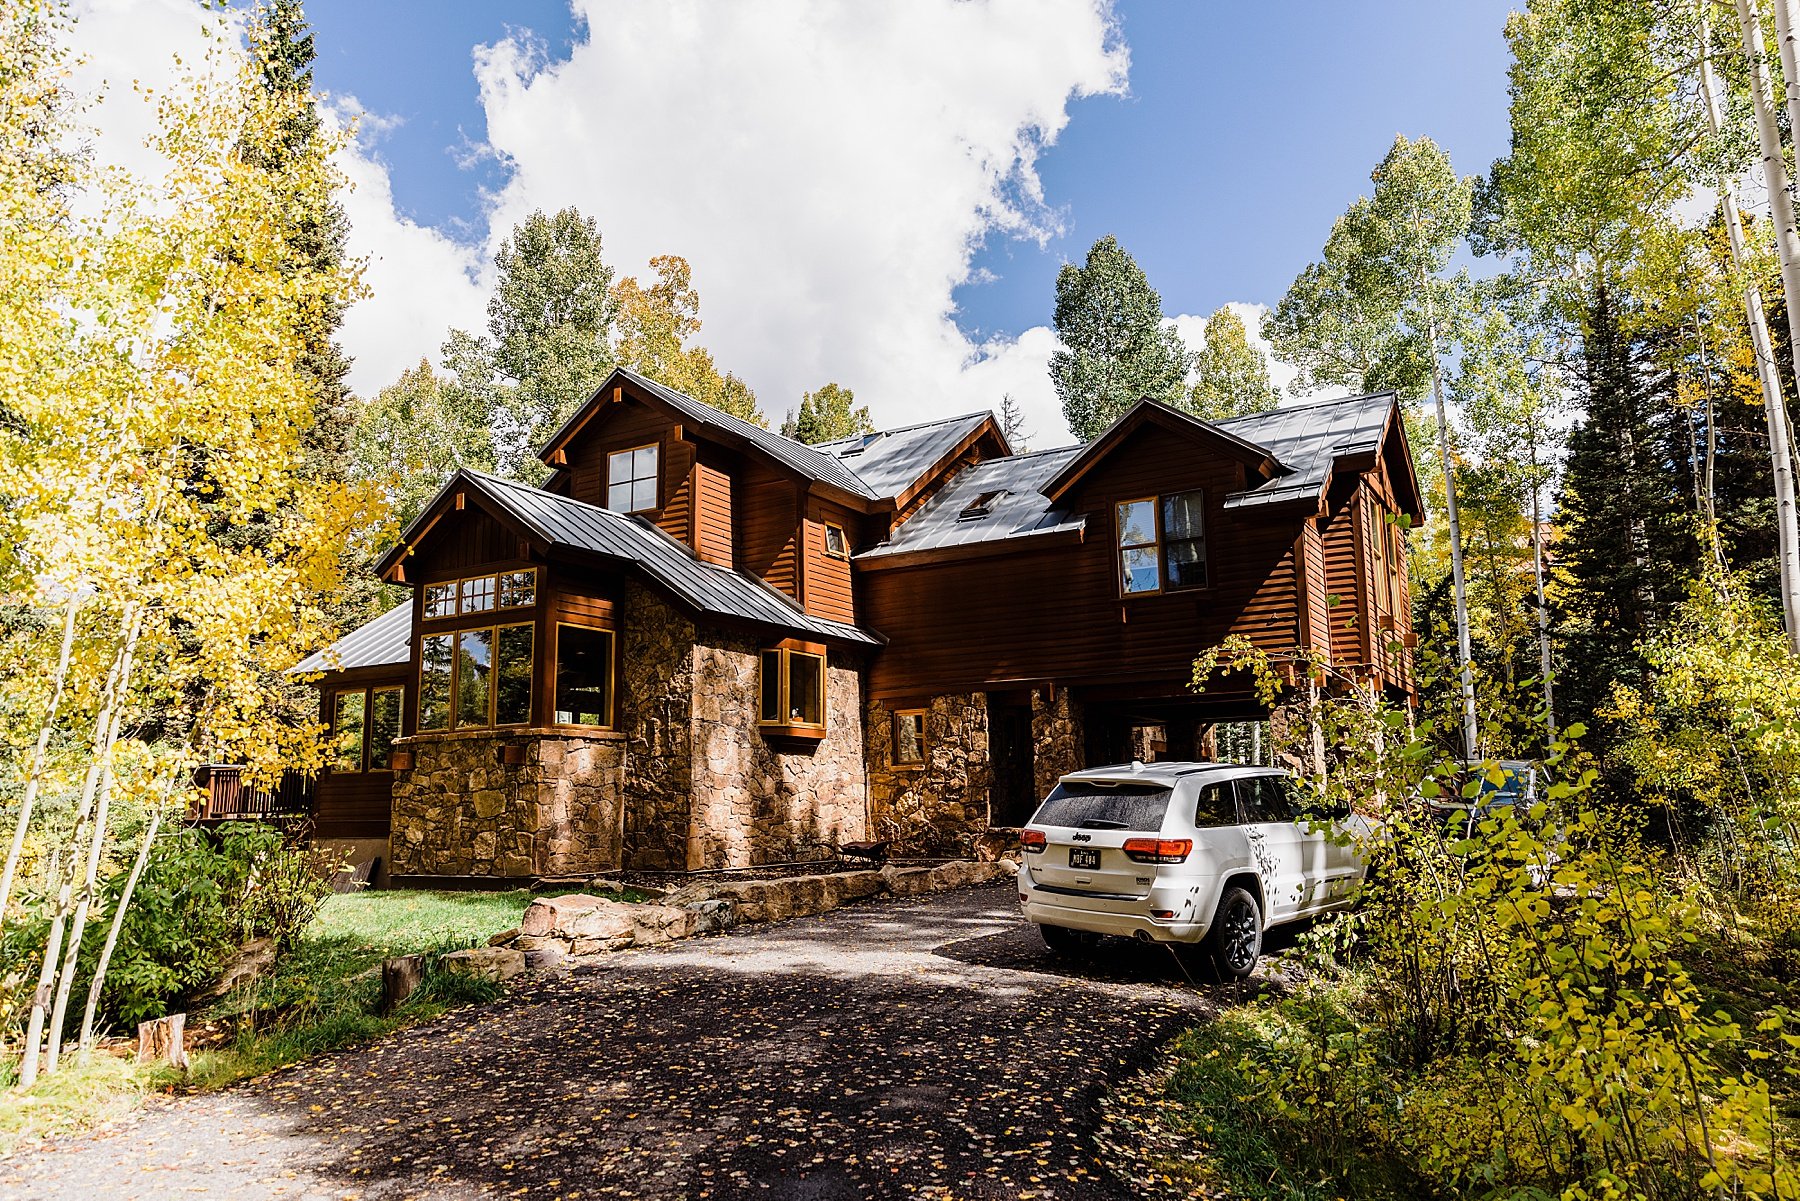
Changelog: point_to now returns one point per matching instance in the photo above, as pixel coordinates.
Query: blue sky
(1246, 130)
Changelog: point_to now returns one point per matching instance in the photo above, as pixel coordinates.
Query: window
(1137, 546)
(1267, 799)
(384, 726)
(512, 676)
(631, 480)
(474, 664)
(836, 544)
(909, 738)
(584, 676)
(518, 588)
(1216, 806)
(440, 599)
(348, 710)
(436, 658)
(981, 506)
(793, 688)
(1162, 543)
(1108, 805)
(1184, 540)
(478, 594)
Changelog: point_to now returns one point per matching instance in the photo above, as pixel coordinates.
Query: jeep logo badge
(1084, 838)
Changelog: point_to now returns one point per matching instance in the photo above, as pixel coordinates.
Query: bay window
(792, 688)
(472, 679)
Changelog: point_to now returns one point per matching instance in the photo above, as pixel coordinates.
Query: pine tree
(1231, 375)
(1116, 347)
(826, 415)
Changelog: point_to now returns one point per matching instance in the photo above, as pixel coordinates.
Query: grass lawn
(320, 997)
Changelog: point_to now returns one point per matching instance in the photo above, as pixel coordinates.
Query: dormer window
(631, 480)
(982, 506)
(837, 545)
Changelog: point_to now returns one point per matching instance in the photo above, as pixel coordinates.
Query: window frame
(612, 675)
(453, 720)
(843, 538)
(656, 499)
(494, 593)
(366, 757)
(1160, 545)
(338, 697)
(783, 724)
(923, 739)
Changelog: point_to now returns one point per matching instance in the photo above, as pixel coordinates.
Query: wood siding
(713, 511)
(1342, 587)
(769, 529)
(1056, 612)
(827, 589)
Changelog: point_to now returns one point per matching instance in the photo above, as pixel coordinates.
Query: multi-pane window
(584, 676)
(478, 594)
(518, 588)
(364, 725)
(475, 678)
(909, 738)
(482, 593)
(631, 480)
(440, 599)
(792, 689)
(1162, 543)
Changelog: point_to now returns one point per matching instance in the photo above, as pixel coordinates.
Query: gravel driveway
(922, 1048)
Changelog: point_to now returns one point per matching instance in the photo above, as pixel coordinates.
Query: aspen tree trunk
(1471, 730)
(34, 780)
(97, 843)
(1546, 668)
(112, 934)
(1787, 238)
(40, 1000)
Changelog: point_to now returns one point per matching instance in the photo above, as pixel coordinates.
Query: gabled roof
(383, 642)
(890, 462)
(808, 461)
(1148, 411)
(1309, 438)
(558, 522)
(1017, 507)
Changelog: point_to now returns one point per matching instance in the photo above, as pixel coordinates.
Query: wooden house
(700, 644)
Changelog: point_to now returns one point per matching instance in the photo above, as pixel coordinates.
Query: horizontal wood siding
(354, 804)
(1341, 585)
(828, 589)
(713, 513)
(676, 517)
(1056, 612)
(767, 510)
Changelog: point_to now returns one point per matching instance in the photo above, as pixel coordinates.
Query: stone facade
(687, 782)
(461, 811)
(940, 806)
(1057, 737)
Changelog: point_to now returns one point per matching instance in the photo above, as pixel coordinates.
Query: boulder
(710, 917)
(504, 938)
(661, 923)
(498, 964)
(546, 958)
(577, 915)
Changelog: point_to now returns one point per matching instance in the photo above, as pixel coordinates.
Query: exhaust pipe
(1143, 936)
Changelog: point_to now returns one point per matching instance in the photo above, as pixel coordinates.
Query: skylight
(984, 504)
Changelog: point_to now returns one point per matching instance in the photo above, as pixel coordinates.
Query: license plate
(1084, 857)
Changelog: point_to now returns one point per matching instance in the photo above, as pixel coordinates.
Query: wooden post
(398, 979)
(164, 1038)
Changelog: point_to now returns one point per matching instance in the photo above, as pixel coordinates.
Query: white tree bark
(1546, 665)
(40, 1000)
(112, 934)
(1781, 206)
(34, 780)
(1470, 726)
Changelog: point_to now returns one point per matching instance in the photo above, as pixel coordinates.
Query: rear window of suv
(1102, 805)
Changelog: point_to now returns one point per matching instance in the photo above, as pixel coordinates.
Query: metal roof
(807, 460)
(379, 643)
(1019, 510)
(1307, 438)
(891, 461)
(707, 587)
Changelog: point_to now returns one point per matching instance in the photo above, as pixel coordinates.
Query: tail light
(1157, 850)
(1033, 841)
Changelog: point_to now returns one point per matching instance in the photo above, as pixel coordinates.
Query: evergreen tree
(283, 49)
(827, 415)
(1232, 376)
(1116, 347)
(1627, 549)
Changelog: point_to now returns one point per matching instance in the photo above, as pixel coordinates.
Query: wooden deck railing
(226, 796)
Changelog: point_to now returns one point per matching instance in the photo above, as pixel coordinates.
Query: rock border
(556, 928)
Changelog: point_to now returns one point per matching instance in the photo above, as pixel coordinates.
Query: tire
(1235, 941)
(1065, 943)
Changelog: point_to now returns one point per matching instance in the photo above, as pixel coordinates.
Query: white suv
(1197, 853)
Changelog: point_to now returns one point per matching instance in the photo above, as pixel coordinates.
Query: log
(398, 979)
(164, 1038)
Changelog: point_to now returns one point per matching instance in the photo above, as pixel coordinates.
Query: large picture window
(384, 726)
(512, 675)
(631, 480)
(584, 676)
(1162, 543)
(792, 689)
(349, 709)
(437, 657)
(474, 670)
(475, 678)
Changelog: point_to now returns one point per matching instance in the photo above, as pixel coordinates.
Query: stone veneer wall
(940, 807)
(1057, 738)
(761, 800)
(656, 715)
(461, 812)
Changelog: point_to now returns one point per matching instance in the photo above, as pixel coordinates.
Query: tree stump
(164, 1038)
(398, 979)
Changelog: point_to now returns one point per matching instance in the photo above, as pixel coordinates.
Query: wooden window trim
(843, 555)
(1119, 547)
(612, 676)
(787, 727)
(362, 759)
(606, 484)
(419, 727)
(924, 743)
(494, 722)
(369, 726)
(1163, 543)
(453, 722)
(480, 617)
